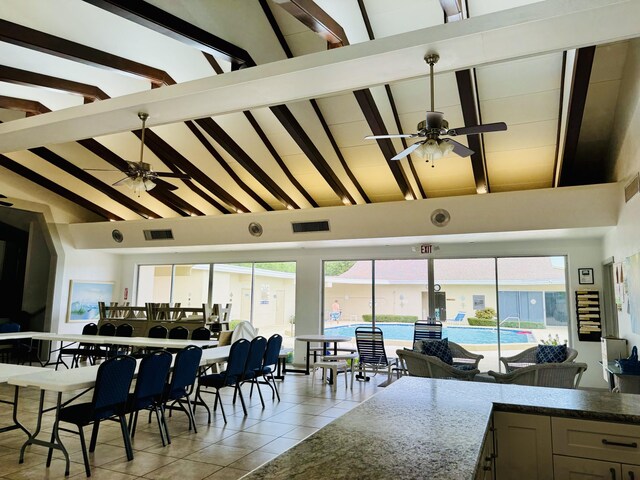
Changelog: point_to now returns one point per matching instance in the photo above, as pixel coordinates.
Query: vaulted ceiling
(297, 141)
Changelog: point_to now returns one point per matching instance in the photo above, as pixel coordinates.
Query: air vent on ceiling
(302, 227)
(158, 235)
(632, 188)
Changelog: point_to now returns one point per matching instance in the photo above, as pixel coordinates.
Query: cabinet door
(630, 472)
(523, 446)
(486, 462)
(572, 468)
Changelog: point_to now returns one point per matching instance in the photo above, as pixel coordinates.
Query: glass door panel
(190, 285)
(232, 283)
(154, 284)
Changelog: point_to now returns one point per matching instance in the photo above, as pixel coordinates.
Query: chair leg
(255, 380)
(218, 399)
(244, 407)
(192, 417)
(160, 428)
(201, 400)
(85, 457)
(94, 436)
(126, 438)
(164, 424)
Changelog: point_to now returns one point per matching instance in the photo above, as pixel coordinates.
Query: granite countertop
(430, 428)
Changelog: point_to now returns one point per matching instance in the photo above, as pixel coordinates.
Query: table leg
(16, 423)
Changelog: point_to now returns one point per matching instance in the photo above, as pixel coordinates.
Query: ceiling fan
(435, 126)
(5, 204)
(140, 176)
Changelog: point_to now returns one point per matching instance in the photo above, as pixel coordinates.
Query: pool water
(461, 335)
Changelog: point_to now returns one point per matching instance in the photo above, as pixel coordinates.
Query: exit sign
(426, 249)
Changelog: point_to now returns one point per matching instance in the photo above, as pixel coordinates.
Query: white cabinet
(523, 446)
(572, 468)
(486, 468)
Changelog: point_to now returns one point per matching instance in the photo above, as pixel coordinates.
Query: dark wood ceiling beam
(32, 79)
(43, 182)
(471, 115)
(227, 168)
(168, 198)
(172, 158)
(66, 166)
(43, 42)
(225, 141)
(30, 107)
(392, 103)
(341, 192)
(276, 156)
(570, 174)
(377, 126)
(160, 21)
(317, 20)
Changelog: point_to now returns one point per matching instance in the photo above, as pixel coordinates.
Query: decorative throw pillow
(225, 338)
(551, 353)
(438, 348)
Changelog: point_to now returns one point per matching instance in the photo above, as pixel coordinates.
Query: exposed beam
(338, 188)
(582, 73)
(162, 195)
(452, 10)
(221, 137)
(30, 107)
(43, 182)
(376, 123)
(487, 39)
(568, 64)
(392, 103)
(66, 166)
(172, 158)
(317, 20)
(24, 77)
(43, 42)
(471, 115)
(214, 153)
(160, 21)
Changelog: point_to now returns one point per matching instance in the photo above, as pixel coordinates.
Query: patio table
(325, 340)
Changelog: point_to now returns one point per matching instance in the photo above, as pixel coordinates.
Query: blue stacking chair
(201, 333)
(252, 369)
(183, 378)
(109, 400)
(152, 377)
(238, 354)
(270, 363)
(83, 349)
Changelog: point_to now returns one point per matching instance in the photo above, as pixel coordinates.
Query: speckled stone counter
(427, 428)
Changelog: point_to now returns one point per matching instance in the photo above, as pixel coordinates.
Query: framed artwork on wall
(84, 297)
(585, 276)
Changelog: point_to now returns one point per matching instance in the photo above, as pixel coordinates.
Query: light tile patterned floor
(217, 451)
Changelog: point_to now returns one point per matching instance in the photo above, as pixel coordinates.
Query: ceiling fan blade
(487, 127)
(164, 185)
(458, 148)
(407, 151)
(399, 135)
(101, 170)
(172, 175)
(120, 182)
(5, 204)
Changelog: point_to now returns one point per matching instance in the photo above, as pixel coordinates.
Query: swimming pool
(461, 335)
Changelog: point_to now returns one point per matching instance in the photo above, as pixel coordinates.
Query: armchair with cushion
(420, 365)
(461, 358)
(558, 375)
(532, 356)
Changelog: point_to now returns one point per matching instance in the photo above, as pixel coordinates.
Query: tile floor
(217, 451)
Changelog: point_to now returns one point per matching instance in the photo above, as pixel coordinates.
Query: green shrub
(233, 324)
(486, 313)
(392, 318)
(482, 322)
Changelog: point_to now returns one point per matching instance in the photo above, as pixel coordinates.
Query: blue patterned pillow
(551, 353)
(438, 348)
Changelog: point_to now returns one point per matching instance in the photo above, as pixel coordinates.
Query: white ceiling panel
(535, 107)
(522, 135)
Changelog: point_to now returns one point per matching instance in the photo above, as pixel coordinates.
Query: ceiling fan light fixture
(433, 149)
(139, 184)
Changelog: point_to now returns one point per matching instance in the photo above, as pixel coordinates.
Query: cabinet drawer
(565, 468)
(615, 442)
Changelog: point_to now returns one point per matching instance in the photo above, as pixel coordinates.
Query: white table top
(323, 338)
(8, 370)
(17, 335)
(57, 381)
(130, 341)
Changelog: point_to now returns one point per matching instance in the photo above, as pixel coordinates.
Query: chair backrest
(370, 344)
(238, 354)
(558, 375)
(90, 329)
(257, 349)
(112, 386)
(124, 330)
(9, 327)
(179, 333)
(157, 332)
(424, 330)
(271, 354)
(152, 377)
(185, 371)
(201, 333)
(107, 329)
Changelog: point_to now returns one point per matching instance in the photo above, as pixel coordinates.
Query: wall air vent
(302, 227)
(158, 235)
(632, 188)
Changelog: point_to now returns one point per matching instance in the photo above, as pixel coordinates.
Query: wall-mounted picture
(84, 298)
(585, 276)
